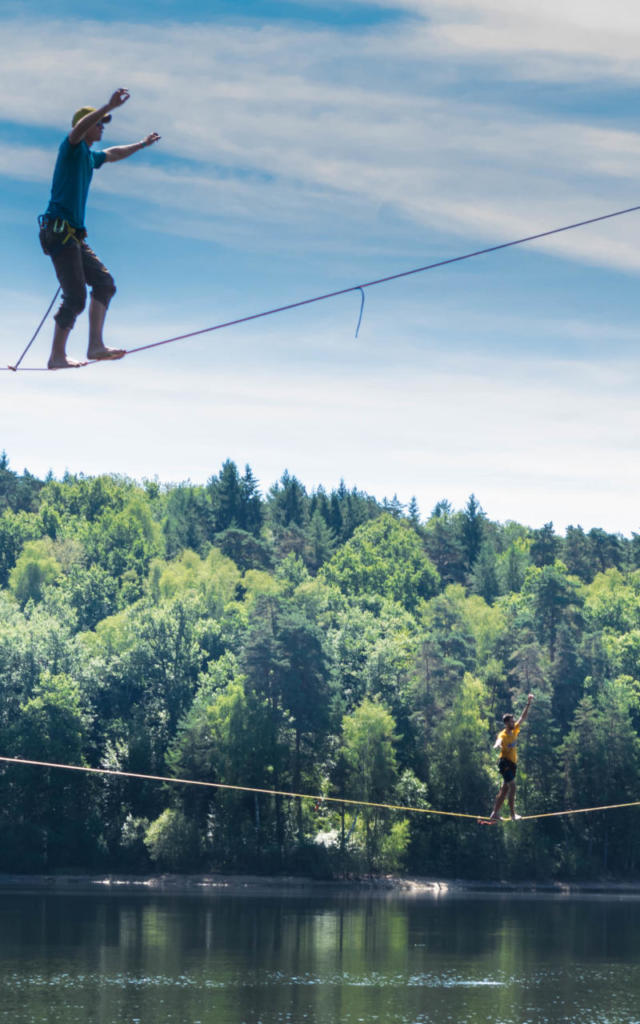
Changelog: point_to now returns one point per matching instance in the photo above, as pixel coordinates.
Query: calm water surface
(153, 958)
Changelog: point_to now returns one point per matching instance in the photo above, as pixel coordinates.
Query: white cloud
(547, 40)
(25, 163)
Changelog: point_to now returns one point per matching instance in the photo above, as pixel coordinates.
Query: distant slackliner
(327, 295)
(315, 797)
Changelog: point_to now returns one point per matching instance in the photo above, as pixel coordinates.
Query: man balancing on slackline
(508, 764)
(62, 231)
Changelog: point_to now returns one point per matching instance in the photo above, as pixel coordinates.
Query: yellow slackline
(316, 797)
(579, 810)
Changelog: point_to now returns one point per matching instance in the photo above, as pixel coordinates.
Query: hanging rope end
(361, 290)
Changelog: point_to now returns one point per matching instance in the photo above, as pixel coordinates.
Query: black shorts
(507, 769)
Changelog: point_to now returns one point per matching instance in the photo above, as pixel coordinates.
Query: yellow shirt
(508, 742)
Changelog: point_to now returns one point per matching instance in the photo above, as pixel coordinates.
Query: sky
(309, 147)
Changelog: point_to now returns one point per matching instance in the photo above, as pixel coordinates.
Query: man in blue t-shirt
(62, 231)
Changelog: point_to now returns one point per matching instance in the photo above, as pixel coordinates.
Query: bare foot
(63, 363)
(102, 352)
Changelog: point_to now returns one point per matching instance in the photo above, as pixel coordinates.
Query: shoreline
(289, 885)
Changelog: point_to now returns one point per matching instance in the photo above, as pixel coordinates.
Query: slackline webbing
(316, 797)
(341, 291)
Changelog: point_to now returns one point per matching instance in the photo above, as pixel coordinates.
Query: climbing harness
(59, 226)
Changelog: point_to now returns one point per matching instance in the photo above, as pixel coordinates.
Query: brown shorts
(76, 266)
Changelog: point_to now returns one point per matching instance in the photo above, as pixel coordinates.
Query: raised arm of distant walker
(526, 710)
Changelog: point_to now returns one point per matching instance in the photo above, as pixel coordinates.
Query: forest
(310, 642)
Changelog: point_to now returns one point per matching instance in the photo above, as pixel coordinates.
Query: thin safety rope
(36, 333)
(369, 284)
(316, 797)
(361, 312)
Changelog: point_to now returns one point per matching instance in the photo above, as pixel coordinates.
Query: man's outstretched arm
(122, 152)
(526, 710)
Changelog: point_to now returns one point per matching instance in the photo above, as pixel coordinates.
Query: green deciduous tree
(173, 841)
(15, 529)
(384, 557)
(368, 738)
(34, 569)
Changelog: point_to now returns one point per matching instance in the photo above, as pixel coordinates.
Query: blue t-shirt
(71, 179)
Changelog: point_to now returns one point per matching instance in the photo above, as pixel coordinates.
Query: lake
(215, 957)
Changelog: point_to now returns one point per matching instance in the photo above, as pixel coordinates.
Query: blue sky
(308, 147)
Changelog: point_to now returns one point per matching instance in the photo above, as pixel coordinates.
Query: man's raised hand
(119, 97)
(150, 139)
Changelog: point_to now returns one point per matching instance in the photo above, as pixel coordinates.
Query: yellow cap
(79, 114)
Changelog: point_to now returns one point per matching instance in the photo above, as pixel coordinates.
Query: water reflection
(204, 958)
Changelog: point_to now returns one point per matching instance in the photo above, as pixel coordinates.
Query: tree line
(311, 642)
